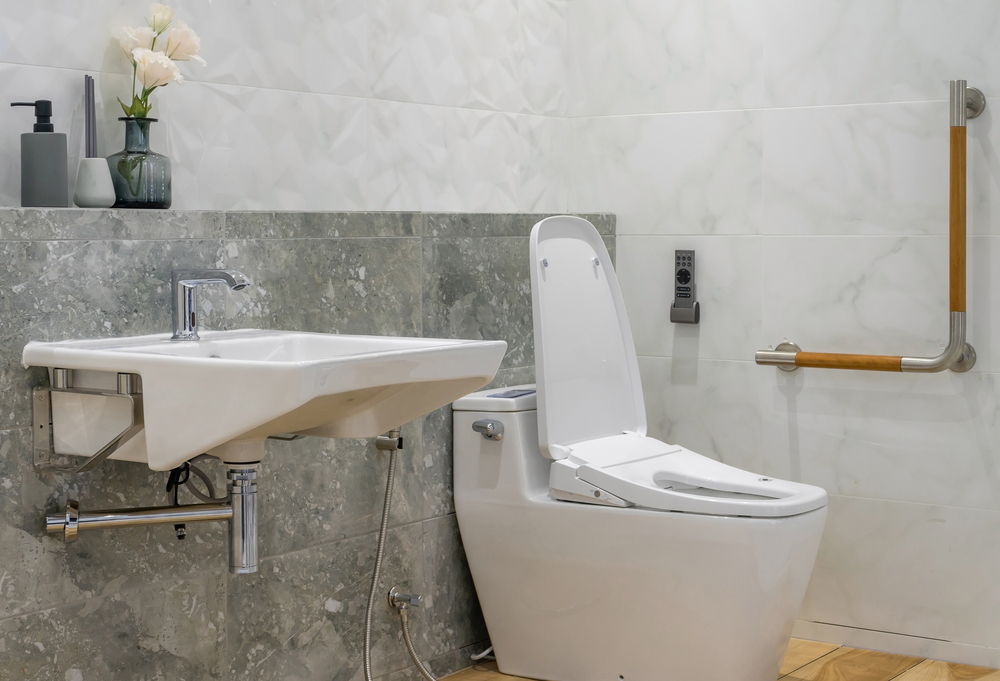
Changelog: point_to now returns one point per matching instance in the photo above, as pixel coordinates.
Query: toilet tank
(510, 469)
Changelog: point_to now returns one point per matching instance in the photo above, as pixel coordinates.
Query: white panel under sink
(83, 424)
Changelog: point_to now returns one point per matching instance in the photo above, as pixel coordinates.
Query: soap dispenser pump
(44, 167)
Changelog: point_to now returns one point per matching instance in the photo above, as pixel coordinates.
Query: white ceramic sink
(228, 391)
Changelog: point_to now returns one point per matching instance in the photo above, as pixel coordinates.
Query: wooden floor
(812, 661)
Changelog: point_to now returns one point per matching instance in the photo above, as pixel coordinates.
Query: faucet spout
(183, 293)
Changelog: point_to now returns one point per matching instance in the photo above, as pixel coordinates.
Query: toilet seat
(633, 470)
(591, 414)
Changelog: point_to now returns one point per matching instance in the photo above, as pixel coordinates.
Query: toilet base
(581, 592)
(577, 593)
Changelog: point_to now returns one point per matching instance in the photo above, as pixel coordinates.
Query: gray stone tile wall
(136, 603)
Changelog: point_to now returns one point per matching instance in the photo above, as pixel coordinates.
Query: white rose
(160, 17)
(183, 44)
(155, 69)
(131, 38)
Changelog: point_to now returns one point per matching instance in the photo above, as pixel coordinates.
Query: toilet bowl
(601, 554)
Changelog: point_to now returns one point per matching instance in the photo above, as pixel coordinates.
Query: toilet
(601, 554)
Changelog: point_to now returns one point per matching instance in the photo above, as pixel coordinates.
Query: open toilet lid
(586, 371)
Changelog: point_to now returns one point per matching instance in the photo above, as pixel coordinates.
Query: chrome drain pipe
(72, 522)
(240, 511)
(243, 525)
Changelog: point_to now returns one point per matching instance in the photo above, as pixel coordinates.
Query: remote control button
(683, 276)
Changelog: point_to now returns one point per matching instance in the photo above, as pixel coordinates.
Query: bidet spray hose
(409, 648)
(378, 566)
(391, 446)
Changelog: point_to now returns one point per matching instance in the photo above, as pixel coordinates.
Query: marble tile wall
(137, 605)
(332, 105)
(801, 148)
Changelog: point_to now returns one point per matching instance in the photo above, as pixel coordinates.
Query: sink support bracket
(41, 416)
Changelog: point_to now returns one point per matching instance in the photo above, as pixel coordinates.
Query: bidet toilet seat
(631, 469)
(591, 414)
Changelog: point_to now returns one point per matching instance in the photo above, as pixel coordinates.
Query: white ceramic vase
(94, 188)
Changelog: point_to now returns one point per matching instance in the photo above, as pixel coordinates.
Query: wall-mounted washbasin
(227, 392)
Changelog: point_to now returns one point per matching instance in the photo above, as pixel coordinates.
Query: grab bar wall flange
(958, 355)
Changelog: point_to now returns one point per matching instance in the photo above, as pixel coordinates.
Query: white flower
(160, 17)
(154, 69)
(183, 44)
(132, 38)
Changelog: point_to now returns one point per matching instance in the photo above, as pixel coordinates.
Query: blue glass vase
(141, 177)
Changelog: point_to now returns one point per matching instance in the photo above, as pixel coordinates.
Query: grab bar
(958, 356)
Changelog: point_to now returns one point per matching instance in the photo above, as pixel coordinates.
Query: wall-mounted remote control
(685, 308)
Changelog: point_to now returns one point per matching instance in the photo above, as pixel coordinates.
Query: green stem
(138, 182)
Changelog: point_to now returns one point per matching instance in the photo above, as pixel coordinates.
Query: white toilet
(600, 554)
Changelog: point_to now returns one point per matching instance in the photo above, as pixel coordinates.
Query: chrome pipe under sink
(240, 511)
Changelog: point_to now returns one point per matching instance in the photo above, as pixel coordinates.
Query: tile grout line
(186, 577)
(759, 109)
(351, 537)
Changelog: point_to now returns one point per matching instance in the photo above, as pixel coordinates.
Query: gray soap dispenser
(44, 167)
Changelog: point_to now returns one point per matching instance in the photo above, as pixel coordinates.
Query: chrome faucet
(183, 292)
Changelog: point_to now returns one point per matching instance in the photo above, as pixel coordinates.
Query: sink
(226, 393)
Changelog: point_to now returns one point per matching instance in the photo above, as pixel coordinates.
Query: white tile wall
(543, 173)
(671, 174)
(425, 157)
(912, 569)
(256, 148)
(317, 104)
(875, 295)
(921, 439)
(801, 149)
(861, 51)
(640, 56)
(446, 52)
(709, 406)
(542, 66)
(856, 169)
(305, 45)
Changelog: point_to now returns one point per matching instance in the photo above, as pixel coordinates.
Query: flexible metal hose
(378, 566)
(413, 653)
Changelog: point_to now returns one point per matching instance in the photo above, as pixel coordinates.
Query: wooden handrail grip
(956, 220)
(830, 360)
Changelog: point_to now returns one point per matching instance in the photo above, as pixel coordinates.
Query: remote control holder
(685, 308)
